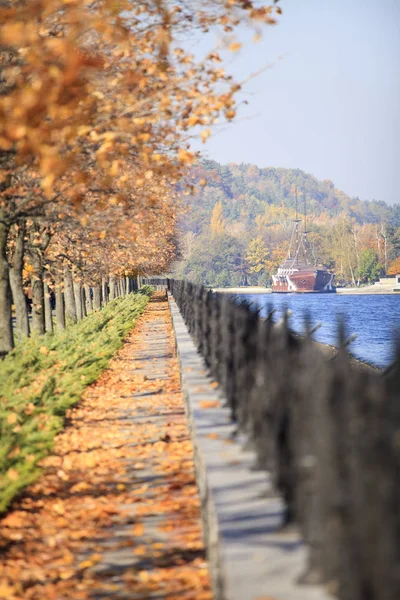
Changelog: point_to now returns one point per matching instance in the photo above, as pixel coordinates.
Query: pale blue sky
(331, 104)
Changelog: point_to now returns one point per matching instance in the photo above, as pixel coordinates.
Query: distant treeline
(238, 223)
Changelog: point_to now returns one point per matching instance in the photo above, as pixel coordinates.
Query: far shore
(244, 290)
(370, 289)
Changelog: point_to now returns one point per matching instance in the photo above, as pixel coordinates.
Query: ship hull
(318, 281)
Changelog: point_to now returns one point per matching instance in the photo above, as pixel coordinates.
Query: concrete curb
(249, 557)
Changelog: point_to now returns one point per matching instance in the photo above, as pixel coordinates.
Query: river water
(374, 318)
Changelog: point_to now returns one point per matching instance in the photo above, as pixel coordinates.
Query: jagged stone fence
(327, 431)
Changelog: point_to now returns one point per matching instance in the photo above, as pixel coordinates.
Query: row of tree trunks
(73, 298)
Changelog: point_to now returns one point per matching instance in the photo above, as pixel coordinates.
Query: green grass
(43, 377)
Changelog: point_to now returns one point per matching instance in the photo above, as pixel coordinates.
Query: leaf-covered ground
(116, 512)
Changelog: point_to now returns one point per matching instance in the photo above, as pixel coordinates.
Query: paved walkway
(116, 511)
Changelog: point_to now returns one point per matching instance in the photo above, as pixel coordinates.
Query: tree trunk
(60, 308)
(97, 297)
(122, 283)
(69, 297)
(6, 331)
(88, 299)
(48, 313)
(104, 290)
(17, 287)
(78, 299)
(38, 323)
(112, 288)
(127, 285)
(83, 302)
(352, 275)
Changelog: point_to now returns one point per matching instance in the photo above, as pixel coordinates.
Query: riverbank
(370, 289)
(243, 290)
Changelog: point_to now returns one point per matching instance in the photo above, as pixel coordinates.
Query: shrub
(147, 290)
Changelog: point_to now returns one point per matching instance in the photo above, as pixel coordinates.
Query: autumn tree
(217, 225)
(394, 267)
(96, 104)
(257, 255)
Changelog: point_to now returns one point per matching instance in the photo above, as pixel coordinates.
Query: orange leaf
(209, 404)
(12, 418)
(138, 530)
(12, 474)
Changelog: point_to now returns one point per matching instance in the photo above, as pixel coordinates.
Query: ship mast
(304, 236)
(295, 236)
(305, 214)
(297, 231)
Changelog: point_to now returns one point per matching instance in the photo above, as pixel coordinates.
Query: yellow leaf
(114, 168)
(90, 562)
(12, 418)
(67, 574)
(12, 474)
(205, 134)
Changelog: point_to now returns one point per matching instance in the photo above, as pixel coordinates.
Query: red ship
(299, 272)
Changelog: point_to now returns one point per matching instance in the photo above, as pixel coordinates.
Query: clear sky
(330, 104)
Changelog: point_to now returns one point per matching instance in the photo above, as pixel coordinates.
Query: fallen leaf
(138, 529)
(12, 474)
(209, 404)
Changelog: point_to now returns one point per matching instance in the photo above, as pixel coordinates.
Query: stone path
(116, 512)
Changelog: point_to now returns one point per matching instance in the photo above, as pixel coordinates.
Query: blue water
(374, 318)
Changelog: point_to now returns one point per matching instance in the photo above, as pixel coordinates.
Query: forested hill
(237, 226)
(245, 190)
